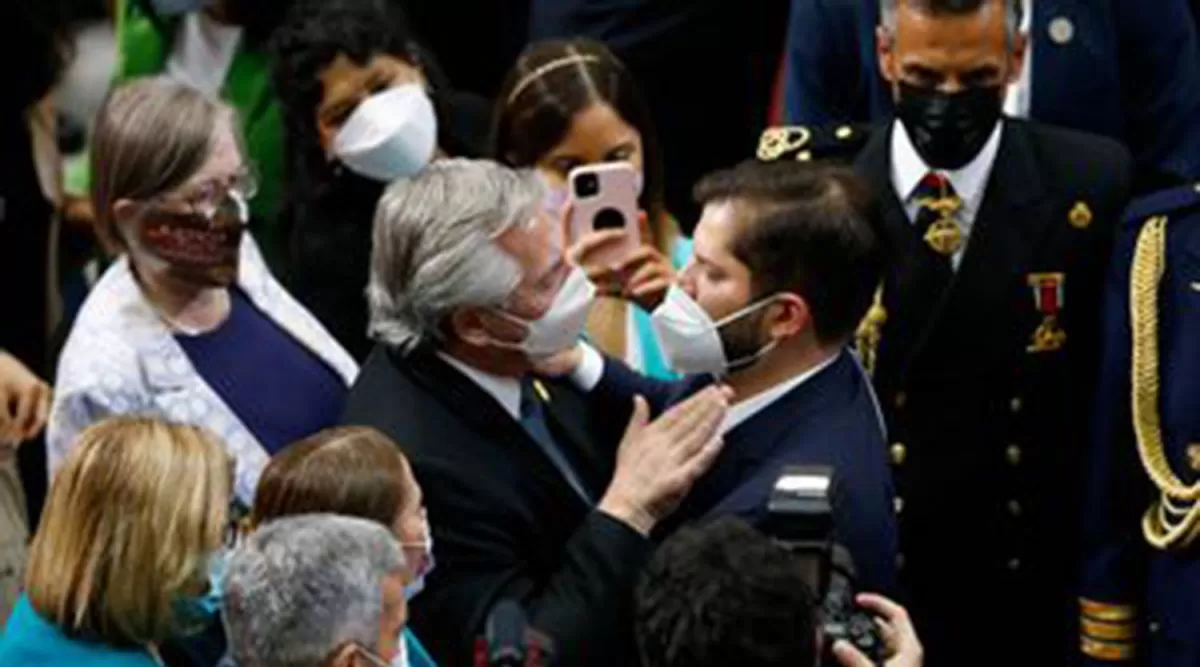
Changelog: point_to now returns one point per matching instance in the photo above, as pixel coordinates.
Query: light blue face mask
(418, 583)
(203, 608)
(178, 7)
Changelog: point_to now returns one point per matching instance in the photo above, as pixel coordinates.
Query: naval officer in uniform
(984, 339)
(1141, 564)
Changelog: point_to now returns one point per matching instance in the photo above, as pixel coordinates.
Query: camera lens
(609, 218)
(587, 185)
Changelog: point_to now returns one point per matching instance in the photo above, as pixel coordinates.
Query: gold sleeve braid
(1173, 521)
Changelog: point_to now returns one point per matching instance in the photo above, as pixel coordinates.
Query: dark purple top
(280, 390)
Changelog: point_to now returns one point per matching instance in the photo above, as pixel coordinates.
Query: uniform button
(1013, 454)
(901, 399)
(804, 156)
(844, 132)
(1014, 508)
(898, 503)
(1014, 564)
(899, 453)
(1155, 627)
(1016, 404)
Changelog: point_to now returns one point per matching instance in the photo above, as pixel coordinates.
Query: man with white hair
(316, 590)
(533, 494)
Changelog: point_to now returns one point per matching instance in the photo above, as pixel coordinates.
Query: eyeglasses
(210, 196)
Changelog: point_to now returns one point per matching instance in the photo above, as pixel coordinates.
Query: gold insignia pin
(944, 235)
(1193, 454)
(1080, 216)
(775, 142)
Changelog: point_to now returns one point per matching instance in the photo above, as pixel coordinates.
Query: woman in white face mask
(355, 472)
(363, 105)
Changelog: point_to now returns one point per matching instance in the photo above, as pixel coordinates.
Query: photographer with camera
(723, 593)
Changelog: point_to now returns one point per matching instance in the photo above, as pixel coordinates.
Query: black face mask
(949, 129)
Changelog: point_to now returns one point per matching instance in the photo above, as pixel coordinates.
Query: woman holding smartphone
(568, 104)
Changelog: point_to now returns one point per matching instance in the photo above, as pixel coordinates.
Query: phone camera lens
(587, 185)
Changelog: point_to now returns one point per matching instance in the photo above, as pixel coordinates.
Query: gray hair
(1014, 12)
(300, 587)
(434, 245)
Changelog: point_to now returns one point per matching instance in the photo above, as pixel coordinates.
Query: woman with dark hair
(568, 103)
(363, 104)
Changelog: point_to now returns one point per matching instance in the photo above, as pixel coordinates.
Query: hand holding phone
(605, 197)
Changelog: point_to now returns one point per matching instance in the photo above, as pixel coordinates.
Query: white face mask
(690, 338)
(563, 323)
(390, 135)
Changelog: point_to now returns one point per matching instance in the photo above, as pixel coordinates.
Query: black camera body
(800, 519)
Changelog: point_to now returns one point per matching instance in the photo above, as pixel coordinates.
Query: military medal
(1048, 297)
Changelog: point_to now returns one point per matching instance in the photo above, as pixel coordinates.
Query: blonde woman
(188, 324)
(132, 533)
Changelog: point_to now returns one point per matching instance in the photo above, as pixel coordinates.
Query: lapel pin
(1080, 216)
(1048, 298)
(541, 391)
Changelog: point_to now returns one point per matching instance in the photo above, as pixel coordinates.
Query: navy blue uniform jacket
(830, 420)
(1131, 71)
(1138, 601)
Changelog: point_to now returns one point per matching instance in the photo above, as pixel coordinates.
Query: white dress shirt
(1020, 94)
(970, 182)
(745, 409)
(591, 369)
(505, 390)
(203, 53)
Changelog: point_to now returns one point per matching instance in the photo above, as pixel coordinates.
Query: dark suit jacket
(988, 437)
(831, 420)
(1130, 72)
(505, 522)
(1122, 574)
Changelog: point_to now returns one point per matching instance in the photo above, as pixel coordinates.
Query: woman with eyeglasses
(188, 324)
(129, 554)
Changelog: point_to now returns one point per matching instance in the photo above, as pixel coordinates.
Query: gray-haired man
(316, 590)
(529, 495)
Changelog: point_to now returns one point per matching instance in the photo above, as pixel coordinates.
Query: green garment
(143, 46)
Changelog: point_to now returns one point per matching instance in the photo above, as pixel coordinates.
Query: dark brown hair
(556, 79)
(813, 230)
(353, 471)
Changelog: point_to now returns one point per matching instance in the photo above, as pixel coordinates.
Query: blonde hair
(130, 521)
(151, 136)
